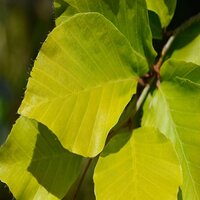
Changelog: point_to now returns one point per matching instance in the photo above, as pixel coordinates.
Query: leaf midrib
(178, 140)
(85, 90)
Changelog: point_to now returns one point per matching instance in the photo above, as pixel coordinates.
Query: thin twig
(82, 178)
(164, 51)
(186, 24)
(159, 63)
(171, 39)
(145, 92)
(142, 97)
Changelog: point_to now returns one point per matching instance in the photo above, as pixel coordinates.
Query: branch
(171, 39)
(142, 97)
(152, 77)
(82, 178)
(187, 24)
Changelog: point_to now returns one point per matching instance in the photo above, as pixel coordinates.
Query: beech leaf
(163, 8)
(34, 164)
(175, 110)
(138, 167)
(90, 73)
(129, 16)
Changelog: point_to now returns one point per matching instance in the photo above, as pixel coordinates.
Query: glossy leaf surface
(34, 164)
(163, 8)
(129, 16)
(90, 74)
(138, 167)
(175, 110)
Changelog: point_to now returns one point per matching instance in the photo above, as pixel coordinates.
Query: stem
(142, 96)
(187, 24)
(82, 178)
(145, 92)
(164, 51)
(171, 39)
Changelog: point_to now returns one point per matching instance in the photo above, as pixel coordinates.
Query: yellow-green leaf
(82, 79)
(163, 8)
(138, 167)
(34, 164)
(175, 110)
(63, 11)
(129, 16)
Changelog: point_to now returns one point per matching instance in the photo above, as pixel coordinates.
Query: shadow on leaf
(55, 168)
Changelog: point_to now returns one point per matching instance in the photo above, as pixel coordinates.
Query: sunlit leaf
(34, 164)
(175, 110)
(83, 78)
(164, 9)
(129, 16)
(144, 166)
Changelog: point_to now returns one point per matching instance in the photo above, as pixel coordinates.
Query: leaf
(155, 25)
(187, 44)
(173, 70)
(85, 191)
(175, 110)
(62, 11)
(83, 78)
(179, 197)
(142, 167)
(163, 8)
(129, 16)
(59, 7)
(34, 164)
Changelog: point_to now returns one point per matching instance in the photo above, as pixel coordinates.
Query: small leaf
(83, 78)
(187, 44)
(175, 110)
(34, 164)
(129, 16)
(164, 9)
(138, 167)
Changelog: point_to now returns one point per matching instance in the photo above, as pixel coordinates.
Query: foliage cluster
(100, 95)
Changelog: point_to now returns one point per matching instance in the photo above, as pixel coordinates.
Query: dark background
(24, 25)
